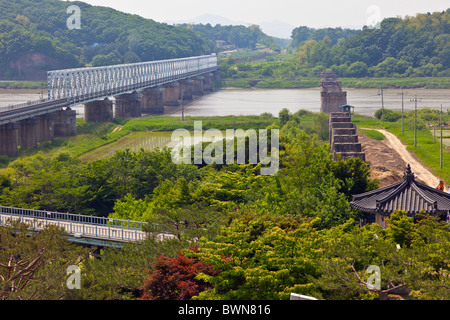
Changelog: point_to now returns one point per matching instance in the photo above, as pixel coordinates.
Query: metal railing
(21, 105)
(80, 225)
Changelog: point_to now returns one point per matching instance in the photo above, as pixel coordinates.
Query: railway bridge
(138, 88)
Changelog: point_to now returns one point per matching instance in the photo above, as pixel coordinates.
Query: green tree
(35, 267)
(260, 257)
(119, 274)
(284, 115)
(354, 176)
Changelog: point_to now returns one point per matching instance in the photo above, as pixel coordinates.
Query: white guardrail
(80, 225)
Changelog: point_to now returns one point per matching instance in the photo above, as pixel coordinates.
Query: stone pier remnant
(343, 137)
(331, 94)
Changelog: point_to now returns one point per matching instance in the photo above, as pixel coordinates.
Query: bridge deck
(79, 226)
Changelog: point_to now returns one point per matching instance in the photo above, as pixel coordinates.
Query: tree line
(413, 46)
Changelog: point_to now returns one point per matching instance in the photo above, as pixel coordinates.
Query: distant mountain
(273, 28)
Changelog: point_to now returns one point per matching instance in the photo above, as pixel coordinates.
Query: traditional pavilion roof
(408, 195)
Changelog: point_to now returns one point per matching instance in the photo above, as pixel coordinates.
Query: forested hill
(34, 38)
(413, 46)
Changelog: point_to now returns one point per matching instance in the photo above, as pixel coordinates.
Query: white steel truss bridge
(87, 84)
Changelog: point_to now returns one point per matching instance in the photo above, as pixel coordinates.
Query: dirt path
(421, 172)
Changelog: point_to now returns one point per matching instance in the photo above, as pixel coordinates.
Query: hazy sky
(312, 13)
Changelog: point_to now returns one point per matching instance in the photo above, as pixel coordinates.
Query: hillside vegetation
(34, 38)
(413, 46)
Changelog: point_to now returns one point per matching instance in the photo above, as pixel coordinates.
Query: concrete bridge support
(197, 86)
(99, 111)
(66, 123)
(152, 101)
(186, 89)
(172, 94)
(217, 76)
(128, 105)
(28, 133)
(45, 130)
(9, 139)
(208, 82)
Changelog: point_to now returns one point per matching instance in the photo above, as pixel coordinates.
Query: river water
(256, 101)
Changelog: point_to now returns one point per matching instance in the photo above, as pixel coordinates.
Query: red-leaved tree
(174, 278)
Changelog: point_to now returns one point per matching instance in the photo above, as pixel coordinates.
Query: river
(256, 101)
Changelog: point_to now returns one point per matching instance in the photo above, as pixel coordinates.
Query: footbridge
(89, 230)
(137, 89)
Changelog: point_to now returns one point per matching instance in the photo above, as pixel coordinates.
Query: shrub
(389, 115)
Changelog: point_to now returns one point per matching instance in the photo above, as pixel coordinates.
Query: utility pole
(403, 128)
(441, 136)
(382, 104)
(415, 120)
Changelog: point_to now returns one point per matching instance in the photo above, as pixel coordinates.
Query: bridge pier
(99, 111)
(171, 94)
(217, 76)
(66, 123)
(45, 128)
(28, 133)
(186, 90)
(197, 86)
(331, 94)
(153, 101)
(9, 139)
(208, 82)
(344, 138)
(128, 105)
